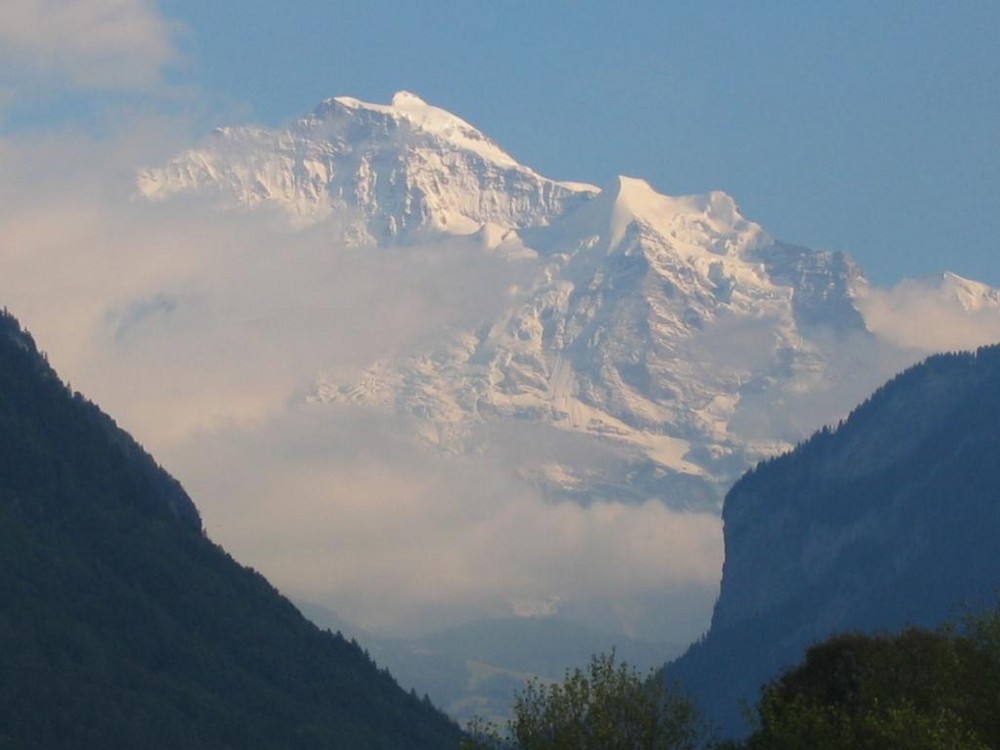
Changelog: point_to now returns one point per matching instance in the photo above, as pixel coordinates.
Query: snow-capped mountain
(949, 288)
(658, 325)
(663, 345)
(391, 172)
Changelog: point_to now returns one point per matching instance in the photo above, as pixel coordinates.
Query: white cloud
(339, 507)
(929, 317)
(105, 44)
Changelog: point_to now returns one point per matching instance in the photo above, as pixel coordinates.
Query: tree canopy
(915, 690)
(609, 706)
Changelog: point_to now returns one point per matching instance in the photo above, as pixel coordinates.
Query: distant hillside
(473, 670)
(890, 519)
(123, 626)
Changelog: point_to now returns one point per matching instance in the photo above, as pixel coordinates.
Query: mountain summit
(433, 121)
(392, 173)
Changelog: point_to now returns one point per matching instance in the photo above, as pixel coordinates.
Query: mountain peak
(633, 191)
(632, 199)
(401, 169)
(638, 197)
(948, 278)
(714, 214)
(407, 107)
(406, 98)
(971, 295)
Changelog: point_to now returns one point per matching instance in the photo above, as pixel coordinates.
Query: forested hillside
(123, 626)
(889, 520)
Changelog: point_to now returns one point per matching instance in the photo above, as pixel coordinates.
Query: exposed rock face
(889, 520)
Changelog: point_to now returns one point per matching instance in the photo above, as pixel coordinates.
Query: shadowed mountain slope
(122, 625)
(889, 520)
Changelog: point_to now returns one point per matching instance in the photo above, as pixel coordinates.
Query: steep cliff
(890, 519)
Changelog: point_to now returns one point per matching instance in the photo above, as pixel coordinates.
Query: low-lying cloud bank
(338, 505)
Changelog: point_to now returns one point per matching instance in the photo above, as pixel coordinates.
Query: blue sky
(868, 127)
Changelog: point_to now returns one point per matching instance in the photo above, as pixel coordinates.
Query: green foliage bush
(607, 707)
(916, 690)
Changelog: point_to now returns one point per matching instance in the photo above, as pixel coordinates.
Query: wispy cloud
(102, 44)
(928, 317)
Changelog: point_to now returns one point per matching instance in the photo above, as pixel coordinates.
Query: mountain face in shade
(889, 520)
(122, 625)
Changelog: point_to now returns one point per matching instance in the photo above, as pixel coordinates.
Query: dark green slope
(890, 520)
(123, 626)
